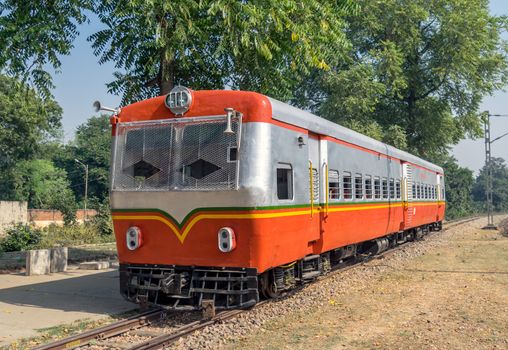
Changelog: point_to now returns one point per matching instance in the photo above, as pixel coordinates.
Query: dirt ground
(453, 297)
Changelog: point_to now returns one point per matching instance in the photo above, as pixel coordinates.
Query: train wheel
(268, 286)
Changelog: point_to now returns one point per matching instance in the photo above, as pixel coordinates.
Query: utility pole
(86, 186)
(488, 168)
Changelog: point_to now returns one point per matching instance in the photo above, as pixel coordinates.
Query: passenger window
(392, 189)
(347, 186)
(358, 186)
(413, 192)
(377, 188)
(333, 185)
(426, 189)
(397, 189)
(284, 181)
(368, 187)
(385, 188)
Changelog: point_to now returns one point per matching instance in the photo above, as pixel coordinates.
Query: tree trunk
(166, 75)
(166, 87)
(411, 120)
(411, 99)
(166, 66)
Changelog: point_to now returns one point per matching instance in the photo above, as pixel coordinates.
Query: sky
(471, 153)
(82, 81)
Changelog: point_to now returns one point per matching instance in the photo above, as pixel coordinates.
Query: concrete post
(59, 259)
(38, 262)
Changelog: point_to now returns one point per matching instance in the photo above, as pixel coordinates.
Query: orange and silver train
(226, 196)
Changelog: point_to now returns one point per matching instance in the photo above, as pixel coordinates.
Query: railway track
(101, 336)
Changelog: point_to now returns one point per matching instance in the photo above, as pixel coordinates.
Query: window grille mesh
(410, 186)
(377, 188)
(385, 188)
(358, 187)
(347, 186)
(333, 184)
(368, 187)
(176, 155)
(315, 185)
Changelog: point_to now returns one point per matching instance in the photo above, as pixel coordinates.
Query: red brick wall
(35, 215)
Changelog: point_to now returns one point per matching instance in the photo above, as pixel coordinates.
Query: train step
(311, 257)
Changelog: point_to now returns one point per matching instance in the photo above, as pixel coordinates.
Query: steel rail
(104, 332)
(166, 339)
(162, 340)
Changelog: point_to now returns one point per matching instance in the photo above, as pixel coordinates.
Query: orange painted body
(265, 242)
(254, 106)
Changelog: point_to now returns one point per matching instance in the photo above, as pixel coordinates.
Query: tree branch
(434, 88)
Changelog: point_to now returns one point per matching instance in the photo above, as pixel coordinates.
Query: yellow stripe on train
(181, 235)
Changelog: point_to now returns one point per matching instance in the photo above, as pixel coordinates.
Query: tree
(44, 186)
(33, 34)
(264, 46)
(459, 183)
(417, 70)
(499, 185)
(26, 122)
(91, 146)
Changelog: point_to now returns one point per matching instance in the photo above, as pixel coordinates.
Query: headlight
(133, 238)
(178, 100)
(226, 239)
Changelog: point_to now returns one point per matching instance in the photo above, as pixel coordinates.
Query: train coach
(225, 196)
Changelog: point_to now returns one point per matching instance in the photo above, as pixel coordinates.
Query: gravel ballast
(317, 294)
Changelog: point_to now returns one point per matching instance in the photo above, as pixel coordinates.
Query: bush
(102, 220)
(25, 237)
(20, 237)
(73, 235)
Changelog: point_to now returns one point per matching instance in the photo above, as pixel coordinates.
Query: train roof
(288, 114)
(258, 107)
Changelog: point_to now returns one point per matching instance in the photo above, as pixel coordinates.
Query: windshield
(176, 155)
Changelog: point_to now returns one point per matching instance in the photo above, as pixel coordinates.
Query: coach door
(315, 181)
(439, 197)
(407, 194)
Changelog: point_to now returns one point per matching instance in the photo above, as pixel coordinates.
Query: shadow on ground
(91, 293)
